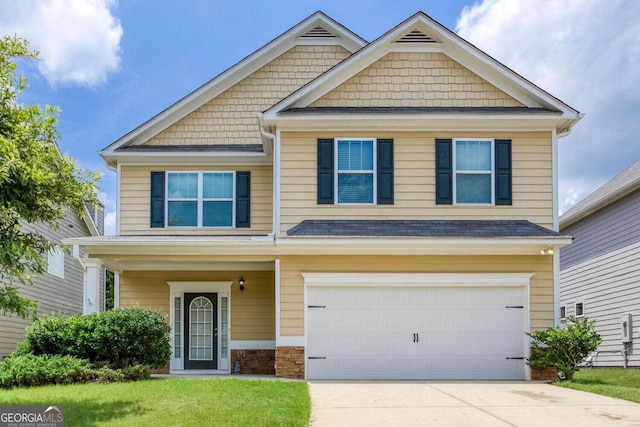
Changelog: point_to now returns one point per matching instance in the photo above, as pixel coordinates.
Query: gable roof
(318, 28)
(619, 186)
(422, 33)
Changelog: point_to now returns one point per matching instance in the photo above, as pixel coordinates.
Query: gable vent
(416, 36)
(318, 32)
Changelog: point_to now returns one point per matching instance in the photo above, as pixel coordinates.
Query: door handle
(417, 337)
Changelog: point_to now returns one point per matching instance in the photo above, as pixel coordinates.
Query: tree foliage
(37, 182)
(564, 347)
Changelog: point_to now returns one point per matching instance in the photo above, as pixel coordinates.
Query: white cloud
(109, 213)
(110, 223)
(78, 40)
(586, 52)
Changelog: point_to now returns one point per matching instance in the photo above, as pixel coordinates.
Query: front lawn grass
(174, 402)
(613, 382)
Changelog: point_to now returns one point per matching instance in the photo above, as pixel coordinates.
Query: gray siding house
(600, 270)
(60, 290)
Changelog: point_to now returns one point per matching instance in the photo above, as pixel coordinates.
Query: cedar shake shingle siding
(416, 80)
(230, 118)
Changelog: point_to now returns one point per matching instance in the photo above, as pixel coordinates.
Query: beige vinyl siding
(414, 175)
(230, 118)
(252, 310)
(416, 79)
(135, 186)
(292, 283)
(55, 295)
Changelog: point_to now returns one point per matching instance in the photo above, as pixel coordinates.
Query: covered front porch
(221, 308)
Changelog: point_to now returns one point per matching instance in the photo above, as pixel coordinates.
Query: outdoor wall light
(547, 251)
(241, 283)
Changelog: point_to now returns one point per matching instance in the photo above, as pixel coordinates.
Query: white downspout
(276, 175)
(556, 227)
(556, 221)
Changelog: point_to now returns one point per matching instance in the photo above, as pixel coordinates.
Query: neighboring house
(600, 271)
(332, 208)
(60, 289)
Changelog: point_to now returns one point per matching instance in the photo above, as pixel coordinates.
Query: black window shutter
(444, 172)
(325, 172)
(385, 171)
(157, 199)
(503, 172)
(243, 199)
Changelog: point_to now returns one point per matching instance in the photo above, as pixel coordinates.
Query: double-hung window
(200, 199)
(473, 162)
(473, 171)
(355, 171)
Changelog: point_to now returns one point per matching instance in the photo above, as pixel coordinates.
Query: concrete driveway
(426, 403)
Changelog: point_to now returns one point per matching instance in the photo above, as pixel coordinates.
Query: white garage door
(415, 333)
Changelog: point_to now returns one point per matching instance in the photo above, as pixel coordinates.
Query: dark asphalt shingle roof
(243, 148)
(418, 110)
(419, 228)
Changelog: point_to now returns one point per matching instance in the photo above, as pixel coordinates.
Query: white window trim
(455, 171)
(575, 309)
(374, 171)
(565, 312)
(58, 250)
(199, 201)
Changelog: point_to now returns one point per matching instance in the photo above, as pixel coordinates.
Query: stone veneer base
(254, 362)
(544, 374)
(290, 362)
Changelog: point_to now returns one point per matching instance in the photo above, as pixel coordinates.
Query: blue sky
(112, 65)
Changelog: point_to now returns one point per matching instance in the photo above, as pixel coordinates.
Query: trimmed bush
(116, 338)
(30, 371)
(564, 347)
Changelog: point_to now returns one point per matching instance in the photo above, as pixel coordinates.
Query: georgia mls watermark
(31, 416)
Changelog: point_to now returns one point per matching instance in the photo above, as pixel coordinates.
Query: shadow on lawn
(90, 412)
(588, 381)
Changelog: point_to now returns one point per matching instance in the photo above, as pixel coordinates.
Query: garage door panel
(407, 368)
(462, 332)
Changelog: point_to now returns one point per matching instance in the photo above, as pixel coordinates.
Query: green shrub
(30, 370)
(128, 337)
(136, 373)
(564, 347)
(116, 338)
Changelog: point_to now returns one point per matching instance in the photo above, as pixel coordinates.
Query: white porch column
(92, 295)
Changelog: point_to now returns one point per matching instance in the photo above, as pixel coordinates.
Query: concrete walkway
(423, 403)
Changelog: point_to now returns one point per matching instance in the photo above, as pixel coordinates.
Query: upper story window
(473, 171)
(200, 199)
(355, 171)
(473, 164)
(55, 262)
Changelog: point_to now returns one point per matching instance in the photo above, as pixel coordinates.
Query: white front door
(469, 332)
